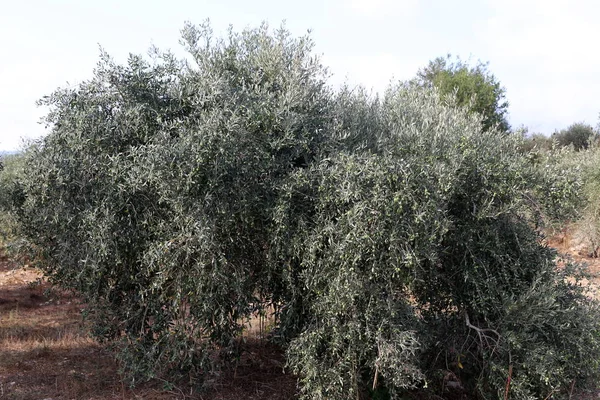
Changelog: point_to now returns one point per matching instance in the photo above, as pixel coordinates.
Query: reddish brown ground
(46, 353)
(569, 245)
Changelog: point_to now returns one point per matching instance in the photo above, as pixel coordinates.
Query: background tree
(537, 141)
(11, 166)
(475, 87)
(534, 141)
(580, 135)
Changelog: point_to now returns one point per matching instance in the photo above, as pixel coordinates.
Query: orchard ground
(46, 351)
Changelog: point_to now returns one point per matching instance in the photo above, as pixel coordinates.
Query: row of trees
(478, 90)
(396, 238)
(578, 135)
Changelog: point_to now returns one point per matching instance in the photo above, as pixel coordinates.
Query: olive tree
(396, 238)
(151, 194)
(421, 260)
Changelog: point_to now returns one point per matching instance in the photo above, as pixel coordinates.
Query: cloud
(547, 52)
(373, 72)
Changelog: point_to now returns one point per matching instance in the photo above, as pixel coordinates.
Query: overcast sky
(544, 52)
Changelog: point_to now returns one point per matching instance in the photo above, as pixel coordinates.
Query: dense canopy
(395, 238)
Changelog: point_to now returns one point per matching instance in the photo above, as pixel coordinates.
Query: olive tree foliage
(151, 195)
(475, 87)
(395, 238)
(420, 254)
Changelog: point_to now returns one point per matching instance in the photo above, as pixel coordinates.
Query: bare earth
(47, 354)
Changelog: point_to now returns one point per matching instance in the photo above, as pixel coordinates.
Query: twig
(551, 393)
(375, 378)
(508, 382)
(481, 332)
(572, 387)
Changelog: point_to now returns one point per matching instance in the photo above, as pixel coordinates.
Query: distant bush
(560, 194)
(586, 223)
(10, 194)
(537, 141)
(396, 239)
(579, 135)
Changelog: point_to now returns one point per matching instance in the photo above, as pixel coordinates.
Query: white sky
(543, 51)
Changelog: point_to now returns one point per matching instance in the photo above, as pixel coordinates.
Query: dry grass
(46, 353)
